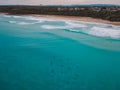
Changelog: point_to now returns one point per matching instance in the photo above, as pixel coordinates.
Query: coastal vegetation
(111, 13)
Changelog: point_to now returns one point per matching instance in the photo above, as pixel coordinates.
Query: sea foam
(101, 30)
(104, 32)
(7, 16)
(52, 27)
(23, 22)
(73, 24)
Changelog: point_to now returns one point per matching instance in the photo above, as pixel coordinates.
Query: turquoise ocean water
(54, 54)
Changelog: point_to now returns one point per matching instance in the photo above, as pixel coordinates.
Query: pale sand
(77, 18)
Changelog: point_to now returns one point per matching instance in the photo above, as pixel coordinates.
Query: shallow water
(53, 54)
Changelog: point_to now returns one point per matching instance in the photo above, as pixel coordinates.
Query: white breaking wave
(17, 16)
(68, 26)
(41, 19)
(73, 24)
(34, 19)
(104, 32)
(20, 23)
(108, 31)
(52, 27)
(6, 15)
(112, 33)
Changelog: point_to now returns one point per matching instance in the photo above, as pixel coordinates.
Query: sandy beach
(77, 18)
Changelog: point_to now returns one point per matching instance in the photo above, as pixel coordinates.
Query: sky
(54, 2)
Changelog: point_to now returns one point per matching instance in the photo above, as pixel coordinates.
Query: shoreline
(74, 18)
(77, 18)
